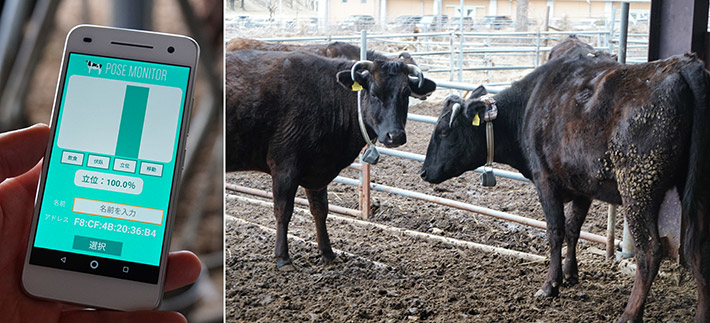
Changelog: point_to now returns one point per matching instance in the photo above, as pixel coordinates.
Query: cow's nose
(395, 138)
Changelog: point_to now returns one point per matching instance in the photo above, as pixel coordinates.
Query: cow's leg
(318, 201)
(573, 225)
(284, 187)
(642, 217)
(555, 218)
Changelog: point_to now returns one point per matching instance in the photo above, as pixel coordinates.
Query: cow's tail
(696, 195)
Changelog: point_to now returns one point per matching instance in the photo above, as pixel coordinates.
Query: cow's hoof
(547, 291)
(627, 319)
(540, 293)
(288, 267)
(327, 261)
(571, 280)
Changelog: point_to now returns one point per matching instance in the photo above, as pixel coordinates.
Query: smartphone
(107, 193)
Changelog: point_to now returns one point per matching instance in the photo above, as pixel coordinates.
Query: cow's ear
(424, 91)
(478, 92)
(406, 58)
(474, 107)
(345, 80)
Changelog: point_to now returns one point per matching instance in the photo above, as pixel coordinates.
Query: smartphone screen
(111, 168)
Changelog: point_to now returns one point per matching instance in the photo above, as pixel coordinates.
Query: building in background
(335, 11)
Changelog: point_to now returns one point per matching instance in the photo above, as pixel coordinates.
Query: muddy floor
(388, 276)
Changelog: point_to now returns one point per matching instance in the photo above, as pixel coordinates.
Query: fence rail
(437, 47)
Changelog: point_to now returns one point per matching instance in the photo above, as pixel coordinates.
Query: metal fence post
(537, 50)
(610, 232)
(451, 60)
(627, 245)
(364, 167)
(623, 32)
(610, 40)
(461, 39)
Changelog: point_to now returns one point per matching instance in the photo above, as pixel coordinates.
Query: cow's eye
(443, 133)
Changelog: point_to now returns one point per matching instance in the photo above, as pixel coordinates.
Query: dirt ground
(386, 276)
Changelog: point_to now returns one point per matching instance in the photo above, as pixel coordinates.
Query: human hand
(20, 154)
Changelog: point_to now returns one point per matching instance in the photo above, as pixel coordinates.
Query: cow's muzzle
(427, 177)
(394, 138)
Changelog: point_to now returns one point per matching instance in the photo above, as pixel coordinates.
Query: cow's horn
(454, 111)
(413, 69)
(358, 66)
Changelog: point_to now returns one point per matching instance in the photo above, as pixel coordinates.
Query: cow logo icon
(93, 66)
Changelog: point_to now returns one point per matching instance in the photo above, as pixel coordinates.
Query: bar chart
(129, 120)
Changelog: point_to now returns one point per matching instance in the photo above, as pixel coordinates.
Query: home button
(94, 264)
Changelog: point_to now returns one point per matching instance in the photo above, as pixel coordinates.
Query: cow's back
(587, 115)
(288, 106)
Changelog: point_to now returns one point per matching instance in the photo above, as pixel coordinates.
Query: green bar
(132, 119)
(98, 245)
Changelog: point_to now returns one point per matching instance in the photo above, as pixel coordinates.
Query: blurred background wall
(32, 34)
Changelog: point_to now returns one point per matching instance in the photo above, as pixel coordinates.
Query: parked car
(237, 22)
(589, 24)
(358, 22)
(259, 23)
(310, 23)
(404, 23)
(433, 23)
(455, 23)
(639, 18)
(496, 22)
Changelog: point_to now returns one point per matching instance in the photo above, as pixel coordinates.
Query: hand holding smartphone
(105, 203)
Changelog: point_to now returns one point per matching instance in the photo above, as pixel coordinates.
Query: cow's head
(456, 145)
(387, 86)
(573, 46)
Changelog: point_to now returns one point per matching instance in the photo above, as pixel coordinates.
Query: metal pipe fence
(530, 43)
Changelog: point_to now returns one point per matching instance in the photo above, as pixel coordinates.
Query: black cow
(572, 46)
(334, 49)
(584, 127)
(294, 116)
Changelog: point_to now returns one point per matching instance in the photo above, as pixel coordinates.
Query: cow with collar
(295, 116)
(585, 127)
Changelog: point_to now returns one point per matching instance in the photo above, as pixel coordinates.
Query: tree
(521, 16)
(272, 6)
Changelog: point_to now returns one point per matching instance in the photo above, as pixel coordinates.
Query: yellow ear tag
(356, 86)
(476, 120)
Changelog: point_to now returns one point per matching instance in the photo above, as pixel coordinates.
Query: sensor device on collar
(371, 155)
(490, 114)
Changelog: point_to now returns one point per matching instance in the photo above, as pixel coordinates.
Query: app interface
(111, 167)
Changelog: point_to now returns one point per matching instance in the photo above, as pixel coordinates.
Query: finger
(17, 207)
(22, 149)
(103, 316)
(183, 269)
(28, 180)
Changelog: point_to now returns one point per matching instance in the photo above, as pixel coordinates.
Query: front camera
(171, 49)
